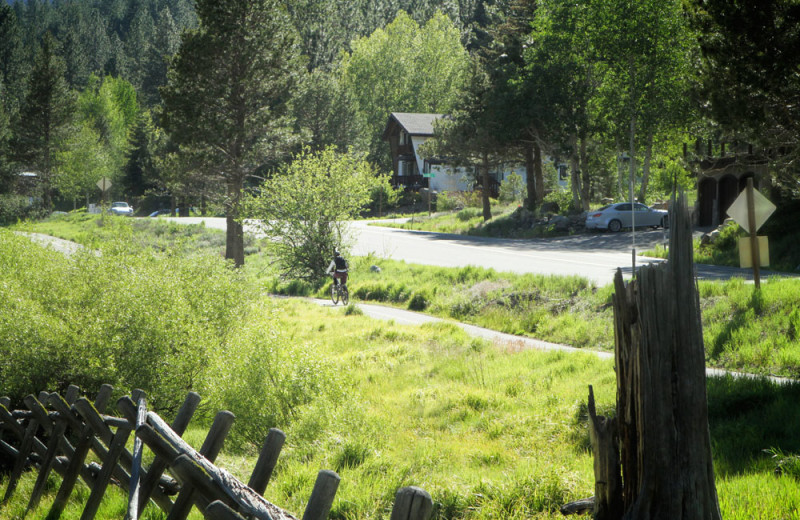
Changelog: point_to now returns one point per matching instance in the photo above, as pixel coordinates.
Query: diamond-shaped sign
(104, 184)
(763, 209)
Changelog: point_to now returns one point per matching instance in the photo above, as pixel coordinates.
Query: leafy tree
(45, 118)
(109, 106)
(303, 209)
(645, 49)
(83, 161)
(404, 68)
(227, 94)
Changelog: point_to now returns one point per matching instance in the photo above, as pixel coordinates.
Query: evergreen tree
(13, 70)
(140, 167)
(45, 118)
(227, 94)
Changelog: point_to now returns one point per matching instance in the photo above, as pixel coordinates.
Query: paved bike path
(405, 317)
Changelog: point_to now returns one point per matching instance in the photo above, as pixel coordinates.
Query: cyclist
(338, 267)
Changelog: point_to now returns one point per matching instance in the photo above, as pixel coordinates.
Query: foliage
(748, 74)
(302, 209)
(291, 379)
(239, 66)
(383, 195)
(512, 189)
(14, 208)
(470, 136)
(45, 118)
(403, 68)
(138, 319)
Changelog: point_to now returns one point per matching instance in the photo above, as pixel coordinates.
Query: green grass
(491, 432)
(742, 331)
(469, 221)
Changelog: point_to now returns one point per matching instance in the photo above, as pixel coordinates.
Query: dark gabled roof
(414, 124)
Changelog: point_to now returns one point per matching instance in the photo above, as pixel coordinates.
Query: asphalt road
(596, 256)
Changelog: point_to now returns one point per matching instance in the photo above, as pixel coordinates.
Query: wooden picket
(40, 437)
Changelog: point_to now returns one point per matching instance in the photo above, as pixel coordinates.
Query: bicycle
(339, 292)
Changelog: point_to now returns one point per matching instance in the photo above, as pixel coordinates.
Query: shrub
(419, 301)
(267, 380)
(445, 201)
(512, 189)
(18, 207)
(147, 320)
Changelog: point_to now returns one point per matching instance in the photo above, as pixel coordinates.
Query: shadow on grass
(748, 416)
(740, 319)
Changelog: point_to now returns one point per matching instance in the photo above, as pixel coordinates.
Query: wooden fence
(56, 433)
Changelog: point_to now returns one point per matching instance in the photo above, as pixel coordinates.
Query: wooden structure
(653, 460)
(56, 433)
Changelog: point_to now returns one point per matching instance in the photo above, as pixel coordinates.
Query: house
(406, 132)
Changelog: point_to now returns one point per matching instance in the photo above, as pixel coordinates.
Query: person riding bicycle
(338, 267)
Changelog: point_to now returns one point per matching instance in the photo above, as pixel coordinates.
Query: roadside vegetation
(491, 431)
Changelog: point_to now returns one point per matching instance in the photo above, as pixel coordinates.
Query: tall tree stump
(662, 412)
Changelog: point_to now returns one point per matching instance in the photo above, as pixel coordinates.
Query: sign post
(750, 210)
(104, 184)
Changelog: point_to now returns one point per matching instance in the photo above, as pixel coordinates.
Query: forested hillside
(191, 103)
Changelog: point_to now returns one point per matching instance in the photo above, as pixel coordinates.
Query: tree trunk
(538, 173)
(234, 236)
(487, 207)
(530, 177)
(648, 155)
(584, 167)
(662, 410)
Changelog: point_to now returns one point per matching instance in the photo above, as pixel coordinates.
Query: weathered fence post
(133, 493)
(218, 510)
(412, 503)
(267, 460)
(159, 464)
(319, 505)
(25, 448)
(115, 450)
(52, 450)
(82, 448)
(210, 449)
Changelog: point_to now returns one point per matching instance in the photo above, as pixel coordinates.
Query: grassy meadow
(489, 430)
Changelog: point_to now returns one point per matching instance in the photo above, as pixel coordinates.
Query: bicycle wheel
(345, 295)
(334, 294)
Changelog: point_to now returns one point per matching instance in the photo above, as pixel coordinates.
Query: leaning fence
(56, 433)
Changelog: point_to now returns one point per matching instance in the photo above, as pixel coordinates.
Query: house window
(403, 137)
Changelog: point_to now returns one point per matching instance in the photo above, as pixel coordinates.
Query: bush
(445, 201)
(419, 301)
(147, 320)
(512, 189)
(14, 208)
(267, 380)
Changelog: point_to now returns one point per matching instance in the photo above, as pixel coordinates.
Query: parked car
(614, 217)
(121, 208)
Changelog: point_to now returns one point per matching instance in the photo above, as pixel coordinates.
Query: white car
(121, 208)
(614, 217)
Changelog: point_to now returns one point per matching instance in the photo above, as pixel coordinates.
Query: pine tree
(45, 118)
(228, 91)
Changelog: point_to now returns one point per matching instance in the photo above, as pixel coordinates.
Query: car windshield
(119, 204)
